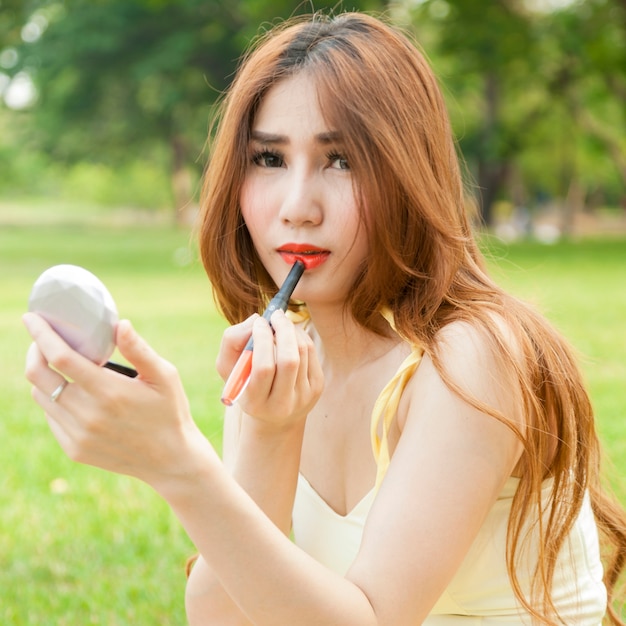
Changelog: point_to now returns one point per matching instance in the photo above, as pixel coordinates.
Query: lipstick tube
(240, 374)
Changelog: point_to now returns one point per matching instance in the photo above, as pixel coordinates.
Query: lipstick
(310, 255)
(240, 375)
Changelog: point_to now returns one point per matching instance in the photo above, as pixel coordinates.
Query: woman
(482, 501)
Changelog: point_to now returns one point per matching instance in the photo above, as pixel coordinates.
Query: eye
(267, 158)
(338, 161)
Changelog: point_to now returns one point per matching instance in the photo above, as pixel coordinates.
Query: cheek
(253, 206)
(245, 198)
(354, 225)
(353, 212)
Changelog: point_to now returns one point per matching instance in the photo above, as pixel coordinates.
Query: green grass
(79, 546)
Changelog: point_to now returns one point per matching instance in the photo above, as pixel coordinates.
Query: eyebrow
(276, 139)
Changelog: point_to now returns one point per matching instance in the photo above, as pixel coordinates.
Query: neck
(344, 345)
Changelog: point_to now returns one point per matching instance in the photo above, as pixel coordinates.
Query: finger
(59, 428)
(288, 362)
(51, 407)
(147, 362)
(304, 343)
(310, 382)
(40, 374)
(55, 351)
(263, 360)
(62, 424)
(36, 369)
(234, 340)
(315, 373)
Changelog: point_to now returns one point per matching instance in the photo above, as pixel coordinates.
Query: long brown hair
(425, 266)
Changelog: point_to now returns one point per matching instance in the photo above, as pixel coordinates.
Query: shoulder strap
(300, 316)
(386, 407)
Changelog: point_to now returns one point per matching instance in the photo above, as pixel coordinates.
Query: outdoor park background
(104, 110)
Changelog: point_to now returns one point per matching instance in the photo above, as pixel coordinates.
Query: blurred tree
(484, 53)
(537, 97)
(118, 78)
(529, 84)
(13, 14)
(592, 71)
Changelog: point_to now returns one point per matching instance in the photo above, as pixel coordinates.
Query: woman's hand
(286, 378)
(137, 426)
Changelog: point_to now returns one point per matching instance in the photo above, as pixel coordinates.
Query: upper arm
(448, 467)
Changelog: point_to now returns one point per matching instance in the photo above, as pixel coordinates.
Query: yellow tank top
(480, 593)
(385, 410)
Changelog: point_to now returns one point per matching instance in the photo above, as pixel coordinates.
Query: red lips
(310, 255)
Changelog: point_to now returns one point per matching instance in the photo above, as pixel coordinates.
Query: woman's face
(298, 198)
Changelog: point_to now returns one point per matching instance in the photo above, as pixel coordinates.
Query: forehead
(291, 106)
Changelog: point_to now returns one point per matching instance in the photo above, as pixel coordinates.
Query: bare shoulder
(462, 340)
(478, 365)
(450, 460)
(473, 355)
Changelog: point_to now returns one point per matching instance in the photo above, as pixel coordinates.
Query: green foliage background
(126, 89)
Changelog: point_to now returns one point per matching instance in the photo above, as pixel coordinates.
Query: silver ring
(57, 392)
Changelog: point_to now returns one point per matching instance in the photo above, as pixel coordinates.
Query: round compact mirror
(79, 308)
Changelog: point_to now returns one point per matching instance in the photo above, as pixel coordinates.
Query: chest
(337, 458)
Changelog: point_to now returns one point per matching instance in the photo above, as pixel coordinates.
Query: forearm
(266, 465)
(268, 578)
(262, 457)
(206, 601)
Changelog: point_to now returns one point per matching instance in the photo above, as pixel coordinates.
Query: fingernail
(260, 321)
(125, 325)
(124, 328)
(27, 319)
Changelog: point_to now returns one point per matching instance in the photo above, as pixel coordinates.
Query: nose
(302, 200)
